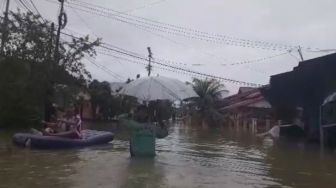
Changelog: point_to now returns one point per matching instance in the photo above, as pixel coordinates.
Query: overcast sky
(309, 23)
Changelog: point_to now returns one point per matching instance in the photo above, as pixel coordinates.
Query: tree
(100, 93)
(28, 74)
(31, 39)
(209, 91)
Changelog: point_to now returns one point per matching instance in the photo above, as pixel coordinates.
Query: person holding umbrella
(147, 125)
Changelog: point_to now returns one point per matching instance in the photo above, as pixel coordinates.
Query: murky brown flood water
(187, 158)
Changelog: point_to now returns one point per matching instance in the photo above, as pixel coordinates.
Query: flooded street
(109, 78)
(186, 158)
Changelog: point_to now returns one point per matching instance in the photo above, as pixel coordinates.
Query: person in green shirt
(142, 132)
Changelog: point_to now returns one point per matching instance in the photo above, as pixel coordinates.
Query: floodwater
(186, 158)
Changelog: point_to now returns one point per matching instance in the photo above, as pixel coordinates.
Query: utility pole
(4, 32)
(300, 52)
(51, 40)
(61, 25)
(149, 66)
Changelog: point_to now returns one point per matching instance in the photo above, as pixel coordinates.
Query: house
(248, 110)
(306, 87)
(85, 107)
(245, 89)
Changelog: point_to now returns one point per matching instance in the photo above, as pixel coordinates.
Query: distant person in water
(275, 131)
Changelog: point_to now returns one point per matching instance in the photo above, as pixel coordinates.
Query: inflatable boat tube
(90, 137)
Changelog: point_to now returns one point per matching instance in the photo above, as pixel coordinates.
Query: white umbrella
(158, 88)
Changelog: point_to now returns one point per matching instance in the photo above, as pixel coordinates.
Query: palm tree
(209, 91)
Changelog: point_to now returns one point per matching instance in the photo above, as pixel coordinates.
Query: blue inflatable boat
(89, 138)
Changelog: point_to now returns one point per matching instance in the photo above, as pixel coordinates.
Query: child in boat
(73, 127)
(70, 126)
(56, 125)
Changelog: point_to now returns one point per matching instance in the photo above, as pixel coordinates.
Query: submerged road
(186, 158)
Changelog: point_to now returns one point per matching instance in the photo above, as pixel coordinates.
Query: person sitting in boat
(57, 125)
(69, 127)
(72, 127)
(51, 126)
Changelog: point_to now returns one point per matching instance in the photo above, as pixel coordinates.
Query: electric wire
(201, 36)
(166, 25)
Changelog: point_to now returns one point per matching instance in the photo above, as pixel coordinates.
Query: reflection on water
(186, 158)
(31, 169)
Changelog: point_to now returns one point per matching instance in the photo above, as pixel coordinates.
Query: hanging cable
(136, 21)
(105, 69)
(87, 5)
(25, 6)
(174, 67)
(144, 6)
(35, 8)
(243, 62)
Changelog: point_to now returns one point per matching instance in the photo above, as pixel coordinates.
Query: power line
(104, 43)
(256, 60)
(236, 63)
(177, 69)
(25, 6)
(105, 69)
(19, 4)
(296, 58)
(85, 23)
(144, 6)
(168, 28)
(186, 70)
(156, 34)
(228, 64)
(80, 3)
(160, 26)
(173, 67)
(38, 12)
(101, 67)
(92, 61)
(205, 36)
(184, 64)
(156, 67)
(182, 33)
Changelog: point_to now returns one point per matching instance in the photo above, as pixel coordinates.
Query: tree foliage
(33, 39)
(24, 90)
(109, 105)
(100, 93)
(29, 76)
(209, 92)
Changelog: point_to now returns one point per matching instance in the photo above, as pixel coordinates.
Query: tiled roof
(245, 99)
